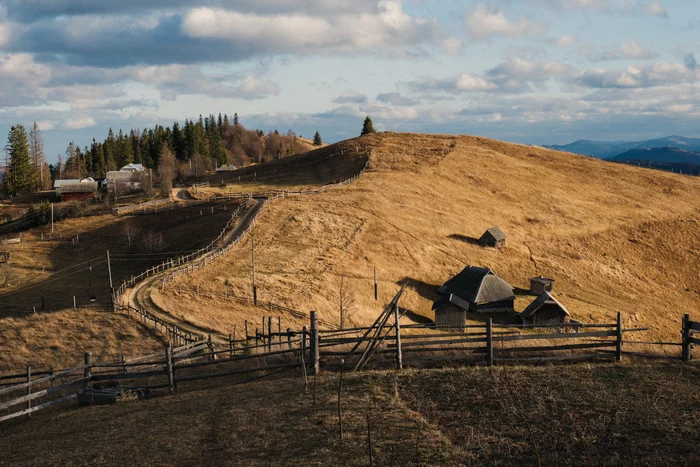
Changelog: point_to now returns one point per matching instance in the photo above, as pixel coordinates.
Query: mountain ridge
(610, 149)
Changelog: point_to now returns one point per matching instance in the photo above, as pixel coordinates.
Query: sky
(528, 71)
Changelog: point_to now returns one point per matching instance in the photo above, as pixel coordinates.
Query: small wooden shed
(78, 191)
(493, 237)
(473, 290)
(545, 309)
(540, 285)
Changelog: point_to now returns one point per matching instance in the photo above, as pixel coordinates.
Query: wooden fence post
(210, 344)
(489, 342)
(245, 324)
(29, 388)
(279, 331)
(289, 338)
(399, 357)
(315, 360)
(685, 339)
(618, 342)
(87, 373)
(230, 346)
(170, 368)
(269, 333)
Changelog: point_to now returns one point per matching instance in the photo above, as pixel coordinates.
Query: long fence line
(269, 353)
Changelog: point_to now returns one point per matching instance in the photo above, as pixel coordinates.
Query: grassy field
(627, 414)
(60, 339)
(614, 237)
(54, 266)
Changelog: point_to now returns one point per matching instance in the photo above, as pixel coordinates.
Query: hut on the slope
(473, 290)
(493, 237)
(540, 285)
(545, 309)
(78, 191)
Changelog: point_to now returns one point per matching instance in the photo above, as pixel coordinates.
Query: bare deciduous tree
(153, 242)
(130, 231)
(167, 170)
(346, 302)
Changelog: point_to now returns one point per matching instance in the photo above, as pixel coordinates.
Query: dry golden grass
(627, 414)
(61, 338)
(614, 237)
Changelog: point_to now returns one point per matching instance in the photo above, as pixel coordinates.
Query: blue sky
(530, 71)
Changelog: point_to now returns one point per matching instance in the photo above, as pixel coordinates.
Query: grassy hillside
(574, 415)
(61, 338)
(613, 237)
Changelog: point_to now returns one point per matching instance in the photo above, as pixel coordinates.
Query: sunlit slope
(613, 237)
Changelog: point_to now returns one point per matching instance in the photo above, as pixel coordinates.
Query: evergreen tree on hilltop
(317, 139)
(367, 127)
(21, 173)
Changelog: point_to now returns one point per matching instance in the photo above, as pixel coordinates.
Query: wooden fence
(386, 343)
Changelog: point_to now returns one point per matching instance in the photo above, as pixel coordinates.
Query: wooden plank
(38, 407)
(694, 325)
(580, 335)
(694, 340)
(442, 342)
(236, 372)
(547, 348)
(126, 376)
(41, 380)
(36, 395)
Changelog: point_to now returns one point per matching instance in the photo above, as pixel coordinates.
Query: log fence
(268, 353)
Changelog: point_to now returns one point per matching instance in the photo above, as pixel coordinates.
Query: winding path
(139, 296)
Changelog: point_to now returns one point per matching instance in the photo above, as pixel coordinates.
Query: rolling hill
(614, 237)
(610, 149)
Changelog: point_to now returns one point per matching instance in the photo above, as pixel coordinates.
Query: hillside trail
(139, 296)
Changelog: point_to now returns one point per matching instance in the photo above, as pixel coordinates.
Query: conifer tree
(367, 127)
(110, 150)
(20, 179)
(235, 119)
(317, 139)
(36, 153)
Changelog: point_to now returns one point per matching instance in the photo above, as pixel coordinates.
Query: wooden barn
(78, 191)
(493, 237)
(545, 309)
(474, 290)
(540, 285)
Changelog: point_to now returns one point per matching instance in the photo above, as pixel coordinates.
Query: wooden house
(78, 191)
(545, 309)
(474, 290)
(493, 237)
(540, 285)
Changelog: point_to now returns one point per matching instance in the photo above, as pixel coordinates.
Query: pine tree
(367, 127)
(317, 139)
(110, 150)
(235, 119)
(21, 173)
(36, 153)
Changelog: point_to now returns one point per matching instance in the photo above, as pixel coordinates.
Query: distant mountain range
(672, 153)
(611, 149)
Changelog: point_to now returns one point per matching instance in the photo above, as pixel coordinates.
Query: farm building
(474, 290)
(226, 168)
(493, 237)
(78, 191)
(540, 285)
(545, 309)
(58, 184)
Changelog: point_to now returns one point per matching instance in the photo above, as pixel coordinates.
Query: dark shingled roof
(477, 285)
(494, 232)
(544, 299)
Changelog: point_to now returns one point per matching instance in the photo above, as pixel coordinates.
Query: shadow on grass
(464, 238)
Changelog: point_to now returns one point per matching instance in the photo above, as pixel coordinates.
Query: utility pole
(51, 217)
(109, 268)
(252, 252)
(90, 280)
(375, 284)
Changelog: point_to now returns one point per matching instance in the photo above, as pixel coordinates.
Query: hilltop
(615, 238)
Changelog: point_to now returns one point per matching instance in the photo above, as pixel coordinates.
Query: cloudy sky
(531, 71)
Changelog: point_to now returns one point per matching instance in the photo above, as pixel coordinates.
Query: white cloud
(484, 23)
(254, 88)
(632, 49)
(656, 8)
(466, 82)
(386, 28)
(350, 97)
(78, 123)
(565, 41)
